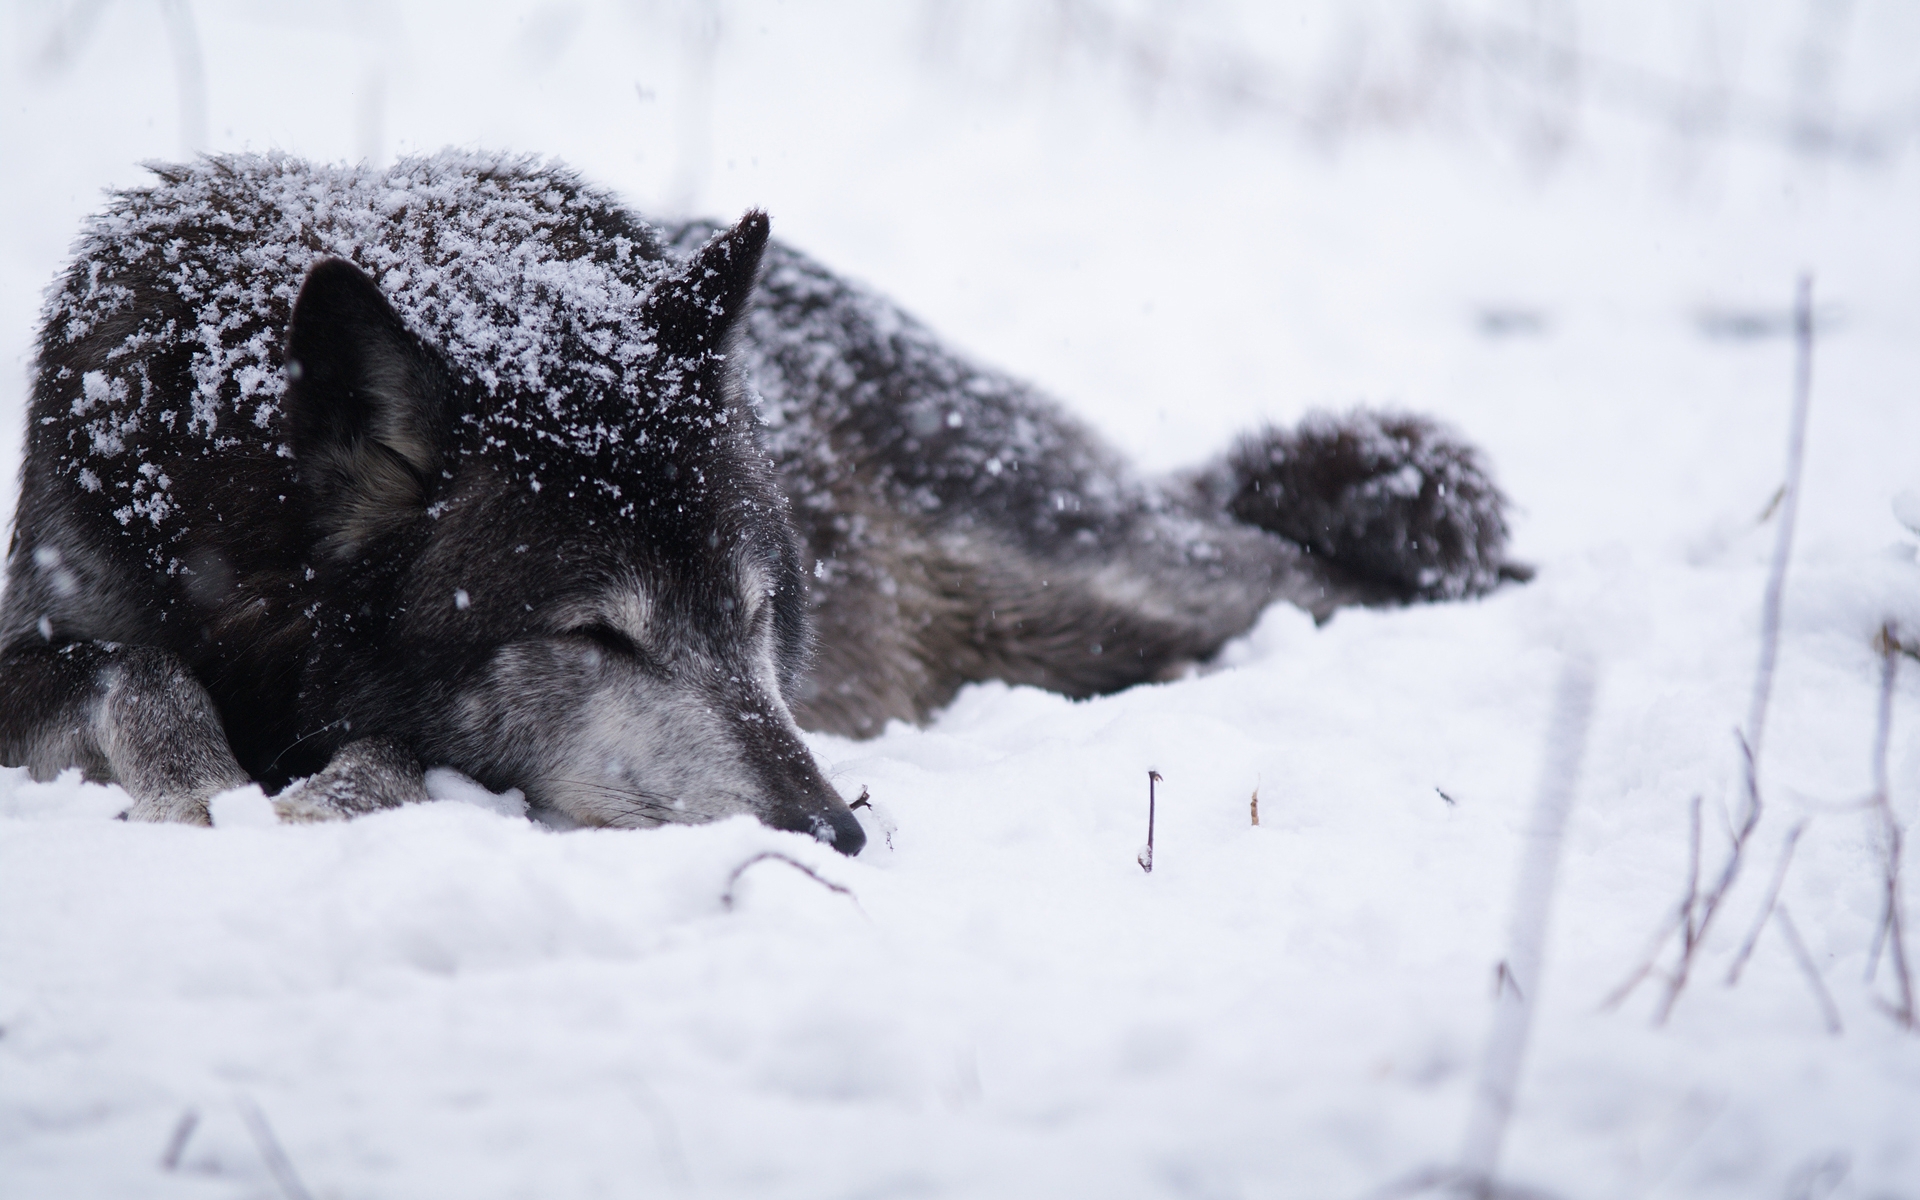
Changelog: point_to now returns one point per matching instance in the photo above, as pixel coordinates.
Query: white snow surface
(451, 1001)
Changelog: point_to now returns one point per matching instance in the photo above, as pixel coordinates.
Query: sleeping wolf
(333, 474)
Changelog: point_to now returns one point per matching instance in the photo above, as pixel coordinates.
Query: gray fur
(333, 474)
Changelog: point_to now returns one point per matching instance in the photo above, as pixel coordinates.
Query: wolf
(334, 474)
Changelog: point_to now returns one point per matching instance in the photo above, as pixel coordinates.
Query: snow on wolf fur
(334, 474)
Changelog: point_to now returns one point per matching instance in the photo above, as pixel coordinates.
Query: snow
(449, 1000)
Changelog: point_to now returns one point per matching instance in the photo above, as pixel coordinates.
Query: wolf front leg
(363, 776)
(132, 715)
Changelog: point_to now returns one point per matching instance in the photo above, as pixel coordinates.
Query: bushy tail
(1392, 498)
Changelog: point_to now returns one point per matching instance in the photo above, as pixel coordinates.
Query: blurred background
(1549, 220)
(1573, 228)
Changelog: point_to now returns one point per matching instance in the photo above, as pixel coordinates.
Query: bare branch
(1892, 931)
(1688, 931)
(278, 1164)
(1766, 909)
(726, 897)
(1700, 914)
(1807, 968)
(177, 1144)
(1145, 858)
(1647, 965)
(1789, 513)
(1517, 989)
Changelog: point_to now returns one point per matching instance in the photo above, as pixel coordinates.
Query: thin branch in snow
(1254, 806)
(1789, 512)
(177, 1144)
(1766, 909)
(1800, 956)
(1892, 931)
(726, 897)
(278, 1164)
(1699, 911)
(1649, 964)
(1504, 982)
(1688, 931)
(1145, 858)
(1681, 918)
(1518, 982)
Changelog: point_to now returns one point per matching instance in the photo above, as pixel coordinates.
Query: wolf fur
(336, 473)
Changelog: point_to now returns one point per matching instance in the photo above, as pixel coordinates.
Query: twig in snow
(1145, 858)
(177, 1144)
(1807, 968)
(1688, 901)
(1447, 798)
(1766, 909)
(1519, 980)
(1892, 932)
(1503, 981)
(278, 1164)
(1699, 910)
(1789, 512)
(864, 801)
(726, 897)
(1254, 806)
(1680, 919)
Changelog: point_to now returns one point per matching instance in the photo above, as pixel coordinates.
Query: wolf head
(588, 589)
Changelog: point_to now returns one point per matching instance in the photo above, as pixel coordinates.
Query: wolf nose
(847, 835)
(833, 824)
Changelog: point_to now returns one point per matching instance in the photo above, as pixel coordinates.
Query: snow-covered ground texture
(1572, 229)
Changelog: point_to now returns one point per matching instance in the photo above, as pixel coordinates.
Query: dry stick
(177, 1144)
(1708, 906)
(1807, 968)
(1688, 931)
(726, 897)
(1680, 919)
(1879, 943)
(1532, 901)
(1789, 513)
(1145, 858)
(278, 1164)
(1766, 909)
(1893, 924)
(1751, 738)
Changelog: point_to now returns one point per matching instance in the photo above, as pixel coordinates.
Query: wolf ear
(696, 310)
(366, 407)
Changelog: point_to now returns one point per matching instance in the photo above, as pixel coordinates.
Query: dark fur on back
(963, 527)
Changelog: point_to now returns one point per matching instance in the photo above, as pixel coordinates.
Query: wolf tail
(1394, 499)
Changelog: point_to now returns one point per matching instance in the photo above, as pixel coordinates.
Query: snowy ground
(448, 1001)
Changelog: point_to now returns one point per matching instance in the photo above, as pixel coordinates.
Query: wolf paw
(363, 777)
(1391, 497)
